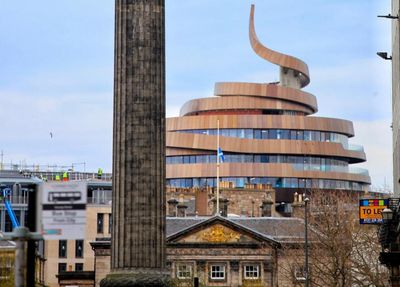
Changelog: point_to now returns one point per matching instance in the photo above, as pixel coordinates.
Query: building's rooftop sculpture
(297, 67)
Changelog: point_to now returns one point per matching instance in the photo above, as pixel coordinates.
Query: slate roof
(177, 224)
(281, 229)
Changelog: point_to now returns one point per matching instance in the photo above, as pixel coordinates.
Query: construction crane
(6, 199)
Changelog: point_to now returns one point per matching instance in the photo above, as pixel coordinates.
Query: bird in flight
(51, 135)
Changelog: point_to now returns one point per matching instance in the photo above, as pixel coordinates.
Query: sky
(56, 69)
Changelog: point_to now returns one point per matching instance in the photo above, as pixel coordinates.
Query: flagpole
(218, 161)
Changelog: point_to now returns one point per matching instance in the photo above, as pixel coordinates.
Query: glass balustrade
(276, 182)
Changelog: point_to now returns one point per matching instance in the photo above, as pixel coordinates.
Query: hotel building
(268, 136)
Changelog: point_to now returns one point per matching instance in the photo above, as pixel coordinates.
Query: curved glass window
(276, 182)
(299, 162)
(274, 134)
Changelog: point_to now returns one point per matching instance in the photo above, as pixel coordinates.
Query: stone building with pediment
(222, 251)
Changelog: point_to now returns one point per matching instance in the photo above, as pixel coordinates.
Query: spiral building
(267, 136)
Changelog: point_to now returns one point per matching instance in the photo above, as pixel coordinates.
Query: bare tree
(341, 251)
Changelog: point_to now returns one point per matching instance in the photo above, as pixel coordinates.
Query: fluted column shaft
(138, 236)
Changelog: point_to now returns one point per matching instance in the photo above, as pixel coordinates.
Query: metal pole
(306, 239)
(31, 244)
(20, 263)
(217, 208)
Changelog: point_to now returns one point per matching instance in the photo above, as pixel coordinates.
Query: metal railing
(330, 168)
(54, 176)
(355, 147)
(52, 172)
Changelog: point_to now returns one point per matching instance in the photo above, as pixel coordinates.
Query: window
(62, 267)
(184, 271)
(307, 135)
(78, 266)
(109, 223)
(7, 223)
(25, 217)
(251, 271)
(293, 134)
(271, 134)
(279, 134)
(217, 272)
(285, 134)
(100, 222)
(299, 273)
(188, 182)
(248, 133)
(6, 269)
(62, 248)
(78, 248)
(300, 135)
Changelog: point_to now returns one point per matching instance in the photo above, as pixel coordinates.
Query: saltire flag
(221, 155)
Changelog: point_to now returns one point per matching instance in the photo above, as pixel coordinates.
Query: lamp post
(306, 200)
(387, 215)
(389, 240)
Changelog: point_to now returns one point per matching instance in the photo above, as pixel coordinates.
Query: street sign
(371, 210)
(64, 210)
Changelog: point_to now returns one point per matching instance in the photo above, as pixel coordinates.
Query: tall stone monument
(138, 206)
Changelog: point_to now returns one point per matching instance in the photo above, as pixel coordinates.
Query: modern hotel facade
(267, 135)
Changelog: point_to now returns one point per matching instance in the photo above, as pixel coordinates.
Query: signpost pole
(306, 200)
(20, 263)
(31, 244)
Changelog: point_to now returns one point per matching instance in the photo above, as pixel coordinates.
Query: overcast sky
(56, 69)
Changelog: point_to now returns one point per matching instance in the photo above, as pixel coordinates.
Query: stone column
(138, 204)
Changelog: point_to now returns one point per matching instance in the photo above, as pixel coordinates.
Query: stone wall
(242, 201)
(201, 259)
(234, 260)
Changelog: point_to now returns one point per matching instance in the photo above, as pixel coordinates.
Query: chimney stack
(266, 207)
(201, 201)
(223, 206)
(182, 209)
(172, 207)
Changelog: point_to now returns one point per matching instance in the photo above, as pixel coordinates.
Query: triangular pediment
(218, 230)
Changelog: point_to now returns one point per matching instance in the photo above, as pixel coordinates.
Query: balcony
(330, 168)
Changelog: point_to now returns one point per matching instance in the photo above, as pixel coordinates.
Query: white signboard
(64, 210)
